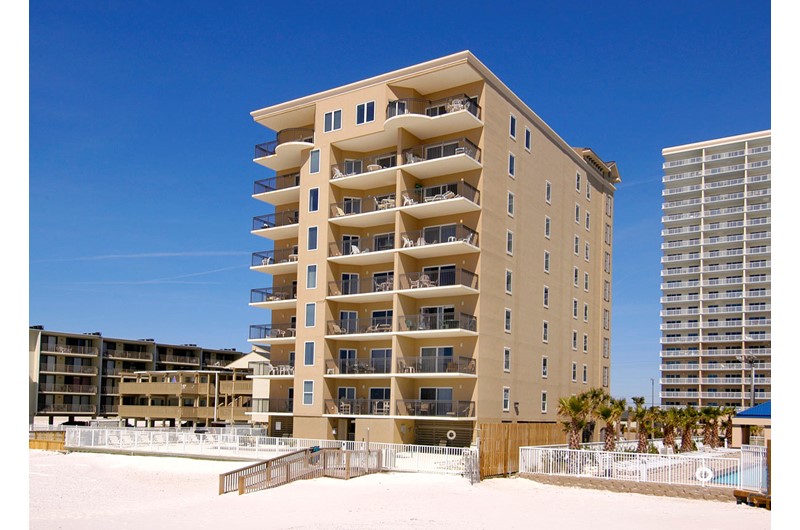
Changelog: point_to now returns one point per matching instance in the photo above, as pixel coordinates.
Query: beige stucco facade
(428, 282)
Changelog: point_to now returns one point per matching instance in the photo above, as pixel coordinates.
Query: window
(508, 281)
(585, 374)
(547, 191)
(333, 120)
(577, 182)
(586, 281)
(512, 126)
(606, 347)
(585, 343)
(509, 242)
(609, 205)
(311, 277)
(574, 340)
(578, 213)
(546, 296)
(314, 161)
(308, 358)
(308, 392)
(511, 165)
(365, 112)
(313, 199)
(607, 262)
(576, 246)
(506, 399)
(544, 401)
(587, 220)
(507, 359)
(311, 314)
(574, 372)
(545, 331)
(605, 376)
(575, 275)
(608, 234)
(546, 261)
(510, 204)
(574, 308)
(588, 191)
(606, 290)
(606, 318)
(527, 139)
(312, 238)
(586, 312)
(508, 321)
(544, 367)
(586, 251)
(547, 227)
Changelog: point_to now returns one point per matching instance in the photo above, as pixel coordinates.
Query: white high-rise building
(715, 304)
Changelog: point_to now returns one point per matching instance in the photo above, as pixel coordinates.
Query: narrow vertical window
(312, 238)
(587, 220)
(509, 242)
(311, 277)
(527, 139)
(575, 274)
(507, 359)
(313, 166)
(308, 357)
(588, 191)
(577, 182)
(508, 321)
(545, 331)
(585, 374)
(585, 343)
(606, 347)
(506, 399)
(313, 199)
(546, 296)
(308, 392)
(508, 281)
(586, 252)
(510, 204)
(574, 340)
(586, 281)
(548, 190)
(586, 312)
(311, 315)
(547, 227)
(544, 367)
(605, 376)
(546, 261)
(575, 308)
(512, 126)
(544, 402)
(511, 164)
(578, 213)
(574, 372)
(576, 246)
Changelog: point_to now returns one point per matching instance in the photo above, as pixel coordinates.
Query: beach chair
(408, 201)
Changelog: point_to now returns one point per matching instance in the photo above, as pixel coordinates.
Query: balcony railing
(437, 322)
(274, 220)
(68, 389)
(357, 166)
(273, 405)
(268, 368)
(268, 294)
(76, 350)
(364, 366)
(67, 408)
(69, 369)
(438, 278)
(436, 365)
(180, 359)
(358, 407)
(360, 325)
(441, 192)
(443, 149)
(125, 354)
(275, 331)
(355, 206)
(276, 183)
(425, 407)
(347, 247)
(360, 286)
(432, 108)
(271, 257)
(284, 136)
(434, 235)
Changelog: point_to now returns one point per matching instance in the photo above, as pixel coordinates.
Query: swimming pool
(753, 478)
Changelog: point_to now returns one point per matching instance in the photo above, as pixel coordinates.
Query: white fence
(728, 468)
(395, 457)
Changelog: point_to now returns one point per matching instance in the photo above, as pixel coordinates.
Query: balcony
(273, 333)
(179, 359)
(285, 151)
(452, 198)
(66, 408)
(360, 328)
(270, 298)
(281, 261)
(128, 355)
(442, 158)
(280, 190)
(269, 370)
(437, 325)
(72, 351)
(363, 250)
(363, 290)
(142, 388)
(437, 241)
(438, 282)
(50, 388)
(437, 408)
(68, 369)
(438, 365)
(273, 406)
(364, 212)
(280, 225)
(357, 407)
(426, 118)
(376, 171)
(359, 367)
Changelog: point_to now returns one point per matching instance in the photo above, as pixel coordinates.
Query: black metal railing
(381, 365)
(273, 367)
(346, 247)
(441, 192)
(276, 219)
(277, 331)
(434, 235)
(126, 354)
(357, 205)
(356, 166)
(457, 146)
(438, 278)
(432, 108)
(360, 325)
(272, 405)
(284, 136)
(268, 294)
(361, 285)
(358, 407)
(281, 182)
(435, 407)
(441, 364)
(271, 257)
(437, 322)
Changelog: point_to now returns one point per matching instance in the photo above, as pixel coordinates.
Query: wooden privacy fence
(300, 465)
(46, 440)
(500, 443)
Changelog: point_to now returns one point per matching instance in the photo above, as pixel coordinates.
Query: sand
(89, 490)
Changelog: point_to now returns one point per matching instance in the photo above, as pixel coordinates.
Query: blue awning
(763, 410)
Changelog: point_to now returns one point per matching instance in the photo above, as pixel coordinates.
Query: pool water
(753, 478)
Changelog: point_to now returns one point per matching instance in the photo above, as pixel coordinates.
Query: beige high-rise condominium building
(438, 257)
(715, 331)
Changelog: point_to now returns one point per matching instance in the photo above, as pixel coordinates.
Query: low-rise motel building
(433, 256)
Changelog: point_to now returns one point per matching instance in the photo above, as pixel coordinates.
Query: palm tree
(611, 413)
(575, 409)
(642, 416)
(729, 413)
(671, 420)
(596, 397)
(710, 418)
(688, 423)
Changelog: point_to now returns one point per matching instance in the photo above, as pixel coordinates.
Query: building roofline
(717, 141)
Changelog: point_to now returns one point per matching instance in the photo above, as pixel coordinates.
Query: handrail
(270, 294)
(280, 182)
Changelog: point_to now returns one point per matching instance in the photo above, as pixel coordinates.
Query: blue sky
(141, 143)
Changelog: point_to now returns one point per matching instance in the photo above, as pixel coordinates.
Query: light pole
(750, 359)
(652, 392)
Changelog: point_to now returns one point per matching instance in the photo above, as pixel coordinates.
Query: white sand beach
(88, 491)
